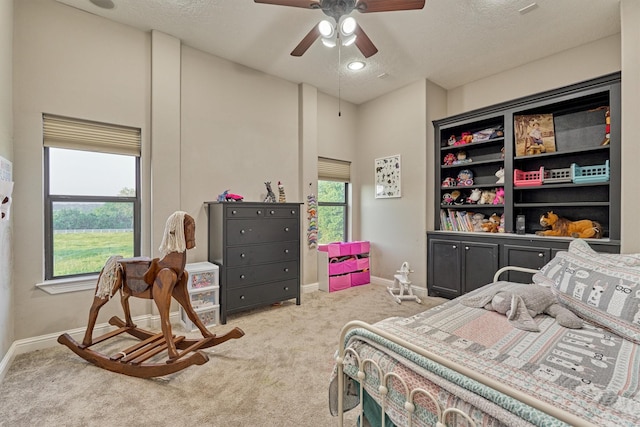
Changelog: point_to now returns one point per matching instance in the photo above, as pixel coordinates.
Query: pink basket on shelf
(528, 178)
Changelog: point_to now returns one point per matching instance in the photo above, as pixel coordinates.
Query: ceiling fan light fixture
(356, 65)
(329, 42)
(326, 29)
(348, 26)
(348, 40)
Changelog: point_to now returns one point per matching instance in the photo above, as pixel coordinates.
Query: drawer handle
(286, 251)
(241, 296)
(258, 212)
(234, 212)
(286, 229)
(272, 212)
(455, 247)
(466, 248)
(286, 288)
(293, 212)
(243, 256)
(242, 276)
(286, 270)
(242, 231)
(541, 255)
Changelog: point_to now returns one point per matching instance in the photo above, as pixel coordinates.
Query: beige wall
(239, 129)
(571, 66)
(74, 64)
(392, 124)
(630, 46)
(6, 151)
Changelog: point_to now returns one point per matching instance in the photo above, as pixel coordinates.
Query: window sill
(63, 286)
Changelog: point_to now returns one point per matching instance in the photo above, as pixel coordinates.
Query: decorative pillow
(598, 288)
(581, 247)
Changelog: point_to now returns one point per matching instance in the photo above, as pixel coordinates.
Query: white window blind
(333, 170)
(76, 134)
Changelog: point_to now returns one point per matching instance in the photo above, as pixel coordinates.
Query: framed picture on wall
(387, 177)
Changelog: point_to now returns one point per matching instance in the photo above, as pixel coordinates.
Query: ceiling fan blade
(307, 4)
(368, 6)
(364, 43)
(306, 42)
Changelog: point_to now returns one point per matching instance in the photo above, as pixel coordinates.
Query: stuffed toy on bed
(521, 303)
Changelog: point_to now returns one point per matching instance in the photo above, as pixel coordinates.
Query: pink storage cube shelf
(360, 278)
(362, 264)
(338, 283)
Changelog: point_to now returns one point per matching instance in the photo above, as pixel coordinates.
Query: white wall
(571, 66)
(75, 64)
(395, 124)
(239, 129)
(6, 151)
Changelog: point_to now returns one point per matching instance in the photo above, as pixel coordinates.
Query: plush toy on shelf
(500, 175)
(487, 197)
(449, 159)
(499, 197)
(449, 182)
(560, 226)
(474, 197)
(465, 177)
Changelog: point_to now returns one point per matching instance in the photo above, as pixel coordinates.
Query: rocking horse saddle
(133, 270)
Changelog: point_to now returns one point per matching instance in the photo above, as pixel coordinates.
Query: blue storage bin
(590, 174)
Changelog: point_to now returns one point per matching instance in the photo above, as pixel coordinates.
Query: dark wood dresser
(257, 247)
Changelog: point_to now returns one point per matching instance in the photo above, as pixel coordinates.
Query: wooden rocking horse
(157, 279)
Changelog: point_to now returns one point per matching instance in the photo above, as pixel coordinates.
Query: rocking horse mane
(173, 239)
(108, 277)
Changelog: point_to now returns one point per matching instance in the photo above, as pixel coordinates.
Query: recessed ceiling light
(356, 65)
(104, 4)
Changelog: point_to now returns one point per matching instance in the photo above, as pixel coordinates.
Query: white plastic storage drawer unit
(204, 294)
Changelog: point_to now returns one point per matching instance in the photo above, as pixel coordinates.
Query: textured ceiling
(450, 42)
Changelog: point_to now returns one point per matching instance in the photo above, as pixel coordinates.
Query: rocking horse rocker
(157, 279)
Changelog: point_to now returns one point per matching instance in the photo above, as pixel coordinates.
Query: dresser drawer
(244, 211)
(249, 231)
(281, 212)
(261, 294)
(251, 274)
(258, 254)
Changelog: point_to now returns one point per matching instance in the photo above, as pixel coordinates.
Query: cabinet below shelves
(459, 262)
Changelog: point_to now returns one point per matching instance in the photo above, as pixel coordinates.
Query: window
(333, 196)
(332, 211)
(92, 195)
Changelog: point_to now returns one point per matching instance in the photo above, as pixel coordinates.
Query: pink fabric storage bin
(338, 283)
(362, 264)
(360, 278)
(359, 247)
(342, 267)
(338, 249)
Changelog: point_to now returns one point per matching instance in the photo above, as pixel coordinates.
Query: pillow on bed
(598, 288)
(581, 247)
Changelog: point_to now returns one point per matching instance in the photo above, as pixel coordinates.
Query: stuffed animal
(492, 225)
(464, 139)
(474, 196)
(477, 219)
(499, 197)
(461, 157)
(449, 159)
(487, 197)
(447, 199)
(465, 177)
(560, 226)
(449, 182)
(452, 140)
(457, 197)
(500, 175)
(521, 303)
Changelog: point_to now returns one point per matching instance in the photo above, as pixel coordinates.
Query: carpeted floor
(276, 375)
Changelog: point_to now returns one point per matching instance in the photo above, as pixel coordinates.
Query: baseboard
(50, 340)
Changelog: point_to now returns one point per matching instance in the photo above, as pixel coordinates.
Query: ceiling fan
(336, 9)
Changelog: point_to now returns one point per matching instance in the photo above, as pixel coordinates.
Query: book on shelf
(452, 220)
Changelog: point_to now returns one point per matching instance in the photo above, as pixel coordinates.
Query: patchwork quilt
(589, 372)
